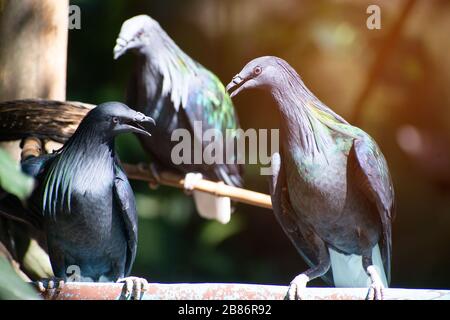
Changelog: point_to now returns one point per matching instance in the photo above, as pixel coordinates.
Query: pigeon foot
(190, 180)
(376, 287)
(297, 287)
(154, 170)
(53, 283)
(134, 287)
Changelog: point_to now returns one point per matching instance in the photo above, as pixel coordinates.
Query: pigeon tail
(208, 206)
(213, 207)
(348, 271)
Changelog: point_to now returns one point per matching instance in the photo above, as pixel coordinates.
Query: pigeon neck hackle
(85, 153)
(308, 122)
(169, 65)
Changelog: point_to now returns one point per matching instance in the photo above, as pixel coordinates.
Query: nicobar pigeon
(84, 202)
(180, 94)
(331, 188)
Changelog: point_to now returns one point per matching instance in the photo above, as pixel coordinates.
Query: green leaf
(11, 286)
(12, 180)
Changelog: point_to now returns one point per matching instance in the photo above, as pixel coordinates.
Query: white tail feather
(213, 207)
(348, 270)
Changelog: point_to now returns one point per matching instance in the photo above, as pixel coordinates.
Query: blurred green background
(328, 43)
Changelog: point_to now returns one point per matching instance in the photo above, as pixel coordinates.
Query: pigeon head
(264, 73)
(112, 118)
(135, 34)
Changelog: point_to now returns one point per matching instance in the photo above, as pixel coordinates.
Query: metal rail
(230, 291)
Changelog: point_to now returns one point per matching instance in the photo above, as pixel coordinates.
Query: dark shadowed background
(406, 109)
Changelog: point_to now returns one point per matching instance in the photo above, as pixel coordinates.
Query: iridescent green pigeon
(331, 188)
(182, 96)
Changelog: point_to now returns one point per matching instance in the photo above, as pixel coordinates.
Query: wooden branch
(230, 291)
(143, 173)
(46, 119)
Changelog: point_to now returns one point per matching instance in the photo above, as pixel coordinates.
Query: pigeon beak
(120, 48)
(136, 125)
(140, 117)
(236, 84)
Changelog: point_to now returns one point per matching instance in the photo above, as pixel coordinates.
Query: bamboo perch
(230, 291)
(143, 173)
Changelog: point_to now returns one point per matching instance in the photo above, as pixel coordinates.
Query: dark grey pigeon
(331, 189)
(84, 203)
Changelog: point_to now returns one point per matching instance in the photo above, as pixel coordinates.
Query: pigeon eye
(115, 120)
(257, 70)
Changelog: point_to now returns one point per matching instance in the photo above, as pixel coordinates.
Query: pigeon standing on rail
(180, 94)
(331, 188)
(84, 202)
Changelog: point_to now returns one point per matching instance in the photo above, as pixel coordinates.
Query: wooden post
(33, 49)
